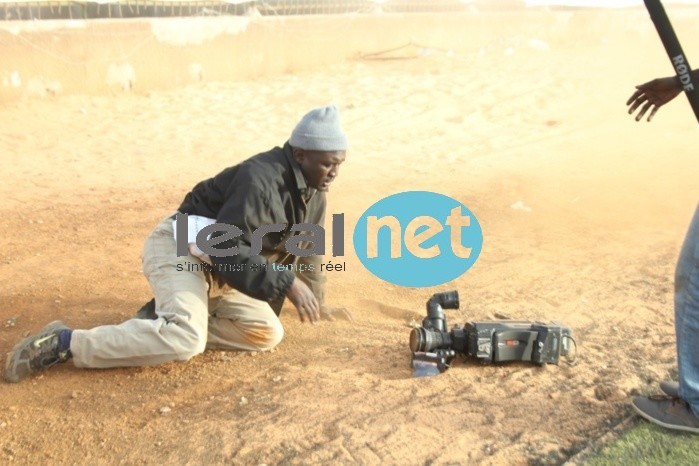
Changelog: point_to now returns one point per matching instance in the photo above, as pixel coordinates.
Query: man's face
(319, 168)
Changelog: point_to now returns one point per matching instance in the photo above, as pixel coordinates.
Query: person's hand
(305, 301)
(198, 253)
(653, 95)
(334, 313)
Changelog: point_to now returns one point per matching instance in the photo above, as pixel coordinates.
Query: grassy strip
(648, 444)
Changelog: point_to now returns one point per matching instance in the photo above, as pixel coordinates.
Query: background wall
(50, 57)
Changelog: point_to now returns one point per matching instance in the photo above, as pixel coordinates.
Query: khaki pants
(189, 319)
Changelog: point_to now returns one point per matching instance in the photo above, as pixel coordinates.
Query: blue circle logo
(418, 239)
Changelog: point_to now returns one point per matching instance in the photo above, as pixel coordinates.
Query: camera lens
(422, 339)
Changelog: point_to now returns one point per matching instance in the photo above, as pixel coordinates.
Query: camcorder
(434, 346)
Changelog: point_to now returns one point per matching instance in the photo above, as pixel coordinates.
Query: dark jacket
(268, 188)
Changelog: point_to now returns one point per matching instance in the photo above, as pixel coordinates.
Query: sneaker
(671, 413)
(35, 353)
(670, 388)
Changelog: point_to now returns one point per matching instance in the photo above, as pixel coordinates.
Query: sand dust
(583, 212)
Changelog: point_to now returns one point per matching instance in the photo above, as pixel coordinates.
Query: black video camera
(487, 342)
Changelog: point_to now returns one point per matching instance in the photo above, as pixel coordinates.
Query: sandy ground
(606, 203)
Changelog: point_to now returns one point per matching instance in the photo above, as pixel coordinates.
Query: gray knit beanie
(319, 130)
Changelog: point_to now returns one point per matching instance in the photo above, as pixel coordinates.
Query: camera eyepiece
(447, 300)
(435, 310)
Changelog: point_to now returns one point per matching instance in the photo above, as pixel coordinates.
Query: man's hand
(653, 95)
(198, 253)
(305, 301)
(334, 313)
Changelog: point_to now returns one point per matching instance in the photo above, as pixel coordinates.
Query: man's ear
(298, 154)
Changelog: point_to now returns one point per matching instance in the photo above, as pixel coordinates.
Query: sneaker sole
(47, 330)
(694, 430)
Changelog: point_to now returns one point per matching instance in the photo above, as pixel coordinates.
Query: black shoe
(36, 353)
(147, 311)
(671, 413)
(670, 388)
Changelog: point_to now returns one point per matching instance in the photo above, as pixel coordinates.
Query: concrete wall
(44, 58)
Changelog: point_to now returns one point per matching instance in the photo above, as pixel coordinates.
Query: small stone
(277, 378)
(74, 395)
(253, 353)
(243, 401)
(165, 410)
(608, 392)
